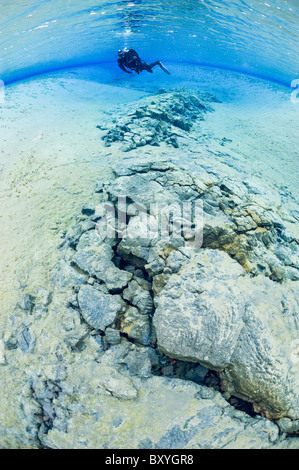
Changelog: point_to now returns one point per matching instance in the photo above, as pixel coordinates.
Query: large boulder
(160, 118)
(213, 313)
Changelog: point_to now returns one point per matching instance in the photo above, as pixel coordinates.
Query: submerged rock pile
(143, 326)
(160, 118)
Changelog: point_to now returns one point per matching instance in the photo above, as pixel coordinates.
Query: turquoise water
(258, 37)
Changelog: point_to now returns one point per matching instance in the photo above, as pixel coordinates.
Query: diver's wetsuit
(132, 61)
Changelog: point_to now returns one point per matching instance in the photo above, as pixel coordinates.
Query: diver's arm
(121, 66)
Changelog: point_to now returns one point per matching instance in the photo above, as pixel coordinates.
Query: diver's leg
(147, 67)
(153, 64)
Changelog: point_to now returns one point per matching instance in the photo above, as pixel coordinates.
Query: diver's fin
(164, 68)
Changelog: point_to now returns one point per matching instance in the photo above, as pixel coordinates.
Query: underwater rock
(99, 309)
(9, 340)
(136, 326)
(88, 239)
(120, 387)
(87, 225)
(197, 321)
(73, 235)
(26, 340)
(202, 314)
(101, 267)
(138, 363)
(93, 263)
(162, 118)
(68, 276)
(116, 279)
(112, 336)
(244, 224)
(288, 426)
(88, 210)
(211, 312)
(138, 297)
(27, 303)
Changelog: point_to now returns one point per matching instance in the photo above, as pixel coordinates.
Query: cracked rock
(98, 308)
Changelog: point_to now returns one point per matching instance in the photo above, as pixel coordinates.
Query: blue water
(257, 37)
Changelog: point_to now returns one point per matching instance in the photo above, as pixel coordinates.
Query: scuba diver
(131, 60)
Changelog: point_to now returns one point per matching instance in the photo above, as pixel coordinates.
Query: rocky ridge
(162, 118)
